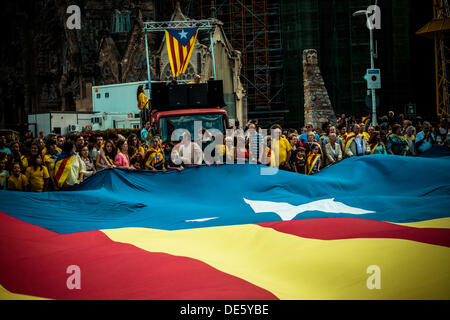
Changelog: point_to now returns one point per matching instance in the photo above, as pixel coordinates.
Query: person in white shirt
(189, 152)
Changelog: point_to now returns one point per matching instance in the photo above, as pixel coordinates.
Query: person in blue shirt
(3, 148)
(144, 133)
(325, 133)
(425, 139)
(304, 136)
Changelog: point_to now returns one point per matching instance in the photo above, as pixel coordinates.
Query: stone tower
(318, 108)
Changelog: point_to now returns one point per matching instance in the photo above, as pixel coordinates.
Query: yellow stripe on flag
(177, 56)
(185, 62)
(292, 267)
(169, 52)
(189, 54)
(7, 295)
(443, 223)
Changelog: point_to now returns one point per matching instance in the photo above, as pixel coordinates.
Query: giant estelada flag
(375, 227)
(180, 44)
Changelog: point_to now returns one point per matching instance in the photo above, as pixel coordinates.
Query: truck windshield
(208, 121)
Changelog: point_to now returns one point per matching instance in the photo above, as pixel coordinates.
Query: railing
(163, 25)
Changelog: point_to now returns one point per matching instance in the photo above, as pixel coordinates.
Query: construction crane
(438, 30)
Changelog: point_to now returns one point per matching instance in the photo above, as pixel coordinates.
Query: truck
(58, 122)
(173, 106)
(106, 120)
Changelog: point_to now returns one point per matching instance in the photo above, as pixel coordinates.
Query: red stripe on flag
(188, 47)
(352, 228)
(174, 58)
(180, 53)
(35, 262)
(313, 158)
(61, 169)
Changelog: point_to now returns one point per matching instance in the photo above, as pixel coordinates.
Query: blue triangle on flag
(183, 35)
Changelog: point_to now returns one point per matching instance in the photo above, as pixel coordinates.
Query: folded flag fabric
(229, 232)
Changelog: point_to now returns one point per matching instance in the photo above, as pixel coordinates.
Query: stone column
(318, 108)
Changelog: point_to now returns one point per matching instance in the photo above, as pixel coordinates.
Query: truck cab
(169, 121)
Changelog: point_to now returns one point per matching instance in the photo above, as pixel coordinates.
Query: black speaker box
(198, 95)
(178, 95)
(215, 93)
(159, 95)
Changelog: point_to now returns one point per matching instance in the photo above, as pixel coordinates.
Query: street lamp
(365, 13)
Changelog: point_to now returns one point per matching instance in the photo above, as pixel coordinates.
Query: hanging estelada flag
(180, 43)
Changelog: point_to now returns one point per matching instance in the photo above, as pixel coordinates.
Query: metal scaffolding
(438, 30)
(253, 27)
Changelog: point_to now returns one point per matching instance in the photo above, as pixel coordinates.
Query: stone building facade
(318, 108)
(47, 67)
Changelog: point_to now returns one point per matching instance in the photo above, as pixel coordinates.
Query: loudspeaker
(178, 95)
(198, 95)
(159, 95)
(215, 93)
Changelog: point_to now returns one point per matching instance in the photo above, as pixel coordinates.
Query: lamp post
(372, 61)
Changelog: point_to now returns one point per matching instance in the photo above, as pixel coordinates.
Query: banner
(373, 227)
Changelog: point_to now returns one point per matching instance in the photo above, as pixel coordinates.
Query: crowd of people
(55, 162)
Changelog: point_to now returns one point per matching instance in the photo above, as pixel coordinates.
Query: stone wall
(318, 108)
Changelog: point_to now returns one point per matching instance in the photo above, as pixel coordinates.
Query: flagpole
(212, 53)
(148, 73)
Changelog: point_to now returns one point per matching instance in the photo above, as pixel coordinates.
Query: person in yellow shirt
(342, 132)
(142, 103)
(154, 158)
(224, 153)
(16, 156)
(17, 181)
(362, 130)
(196, 80)
(280, 149)
(37, 175)
(50, 160)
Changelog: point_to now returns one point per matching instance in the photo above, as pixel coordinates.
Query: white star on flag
(183, 34)
(288, 212)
